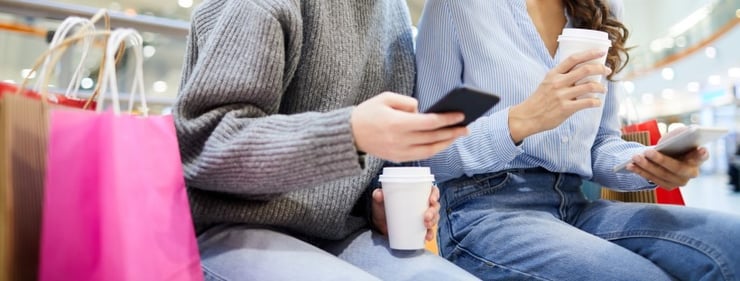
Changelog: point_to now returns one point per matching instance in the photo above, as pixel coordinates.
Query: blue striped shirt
(494, 45)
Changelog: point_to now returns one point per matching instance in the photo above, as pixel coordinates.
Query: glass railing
(24, 29)
(687, 36)
(165, 28)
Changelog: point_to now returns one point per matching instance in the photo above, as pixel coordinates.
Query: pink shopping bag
(115, 204)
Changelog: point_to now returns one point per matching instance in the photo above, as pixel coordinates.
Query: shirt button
(564, 139)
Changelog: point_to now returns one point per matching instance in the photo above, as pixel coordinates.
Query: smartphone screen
(470, 101)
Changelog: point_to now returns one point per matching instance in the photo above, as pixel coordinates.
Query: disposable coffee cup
(406, 193)
(576, 40)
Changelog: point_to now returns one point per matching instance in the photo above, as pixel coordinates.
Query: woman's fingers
(571, 62)
(581, 72)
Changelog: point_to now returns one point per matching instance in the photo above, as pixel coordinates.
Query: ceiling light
(185, 3)
(692, 20)
(629, 86)
(668, 94)
(648, 98)
(734, 72)
(710, 52)
(667, 42)
(715, 80)
(149, 51)
(86, 83)
(28, 74)
(693, 87)
(667, 73)
(160, 86)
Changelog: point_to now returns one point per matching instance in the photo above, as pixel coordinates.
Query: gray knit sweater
(264, 107)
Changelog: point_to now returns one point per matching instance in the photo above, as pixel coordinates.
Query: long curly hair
(595, 14)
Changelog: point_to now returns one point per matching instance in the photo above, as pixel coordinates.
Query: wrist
(361, 155)
(520, 126)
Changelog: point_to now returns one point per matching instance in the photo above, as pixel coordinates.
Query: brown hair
(594, 14)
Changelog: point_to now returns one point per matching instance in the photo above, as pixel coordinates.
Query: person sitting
(285, 114)
(511, 191)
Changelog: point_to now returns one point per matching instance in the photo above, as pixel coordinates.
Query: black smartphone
(468, 100)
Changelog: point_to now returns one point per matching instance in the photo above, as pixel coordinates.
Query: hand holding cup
(407, 207)
(558, 97)
(577, 40)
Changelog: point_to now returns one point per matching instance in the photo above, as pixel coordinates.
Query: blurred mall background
(685, 66)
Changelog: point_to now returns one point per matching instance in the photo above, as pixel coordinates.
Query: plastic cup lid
(585, 33)
(406, 171)
(406, 174)
(562, 38)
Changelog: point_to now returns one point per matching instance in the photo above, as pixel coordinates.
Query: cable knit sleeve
(240, 58)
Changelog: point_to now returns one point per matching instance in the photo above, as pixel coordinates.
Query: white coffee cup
(406, 193)
(576, 40)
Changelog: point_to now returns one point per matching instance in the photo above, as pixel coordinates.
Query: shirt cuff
(500, 133)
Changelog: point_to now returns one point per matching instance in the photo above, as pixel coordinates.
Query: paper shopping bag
(662, 195)
(115, 206)
(23, 143)
(646, 133)
(650, 126)
(69, 101)
(644, 196)
(665, 196)
(23, 136)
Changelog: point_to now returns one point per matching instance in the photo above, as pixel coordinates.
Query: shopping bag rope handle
(117, 38)
(55, 56)
(52, 55)
(85, 25)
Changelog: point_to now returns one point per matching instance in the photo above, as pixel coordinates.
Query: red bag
(8, 88)
(650, 126)
(663, 196)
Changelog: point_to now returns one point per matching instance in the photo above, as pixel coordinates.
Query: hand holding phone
(470, 101)
(677, 144)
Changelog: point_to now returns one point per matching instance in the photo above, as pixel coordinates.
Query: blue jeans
(530, 224)
(238, 252)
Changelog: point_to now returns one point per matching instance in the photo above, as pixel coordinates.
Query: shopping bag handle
(85, 25)
(59, 45)
(55, 54)
(118, 38)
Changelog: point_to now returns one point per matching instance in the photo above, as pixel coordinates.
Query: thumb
(697, 156)
(378, 196)
(400, 102)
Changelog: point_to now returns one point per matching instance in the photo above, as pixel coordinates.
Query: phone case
(470, 101)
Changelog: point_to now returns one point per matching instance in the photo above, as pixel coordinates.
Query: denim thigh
(513, 225)
(688, 243)
(371, 252)
(238, 252)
